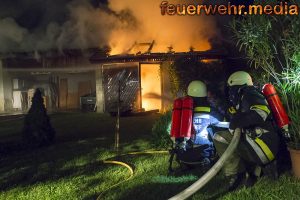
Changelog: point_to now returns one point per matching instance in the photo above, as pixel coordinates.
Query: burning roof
(158, 57)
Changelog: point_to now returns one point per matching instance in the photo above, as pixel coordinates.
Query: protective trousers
(243, 159)
(233, 164)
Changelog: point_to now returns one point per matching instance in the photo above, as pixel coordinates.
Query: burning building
(71, 77)
(140, 81)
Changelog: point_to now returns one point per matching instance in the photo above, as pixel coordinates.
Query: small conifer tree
(37, 130)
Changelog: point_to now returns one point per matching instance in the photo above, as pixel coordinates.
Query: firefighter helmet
(240, 78)
(197, 89)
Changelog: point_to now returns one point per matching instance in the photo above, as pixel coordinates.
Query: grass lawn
(73, 168)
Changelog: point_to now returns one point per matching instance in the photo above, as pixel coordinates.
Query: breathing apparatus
(240, 79)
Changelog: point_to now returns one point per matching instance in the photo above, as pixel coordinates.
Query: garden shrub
(37, 130)
(160, 131)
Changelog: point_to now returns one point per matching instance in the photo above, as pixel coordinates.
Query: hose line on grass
(130, 169)
(120, 163)
(212, 172)
(115, 185)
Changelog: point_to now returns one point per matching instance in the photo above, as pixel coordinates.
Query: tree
(188, 68)
(271, 44)
(37, 130)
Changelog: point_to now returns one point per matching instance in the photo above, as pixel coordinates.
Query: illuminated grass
(73, 168)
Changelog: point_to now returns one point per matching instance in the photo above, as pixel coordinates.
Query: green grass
(73, 167)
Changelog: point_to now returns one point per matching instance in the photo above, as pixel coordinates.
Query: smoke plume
(180, 32)
(58, 24)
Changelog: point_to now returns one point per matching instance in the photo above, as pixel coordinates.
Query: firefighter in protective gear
(204, 115)
(197, 89)
(259, 141)
(198, 146)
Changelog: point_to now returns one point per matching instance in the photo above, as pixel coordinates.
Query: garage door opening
(151, 86)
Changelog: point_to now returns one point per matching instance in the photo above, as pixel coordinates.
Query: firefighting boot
(253, 172)
(250, 180)
(271, 170)
(235, 181)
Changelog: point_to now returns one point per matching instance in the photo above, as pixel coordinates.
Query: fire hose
(194, 187)
(131, 172)
(212, 172)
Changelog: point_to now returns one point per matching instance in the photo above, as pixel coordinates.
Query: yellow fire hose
(131, 172)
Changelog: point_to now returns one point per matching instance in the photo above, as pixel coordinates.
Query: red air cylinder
(276, 106)
(176, 118)
(186, 117)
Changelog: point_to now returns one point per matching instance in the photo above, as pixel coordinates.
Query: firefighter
(190, 121)
(204, 115)
(259, 141)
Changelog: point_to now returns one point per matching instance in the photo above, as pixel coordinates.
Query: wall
(99, 90)
(1, 89)
(5, 90)
(75, 82)
(8, 94)
(77, 71)
(85, 82)
(167, 97)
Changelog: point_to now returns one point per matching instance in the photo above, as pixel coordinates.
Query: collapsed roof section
(138, 52)
(158, 57)
(142, 52)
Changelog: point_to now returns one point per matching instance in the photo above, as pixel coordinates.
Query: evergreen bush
(37, 130)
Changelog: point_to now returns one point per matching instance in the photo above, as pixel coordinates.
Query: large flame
(77, 24)
(147, 24)
(150, 84)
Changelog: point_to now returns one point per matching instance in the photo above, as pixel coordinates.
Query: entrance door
(151, 86)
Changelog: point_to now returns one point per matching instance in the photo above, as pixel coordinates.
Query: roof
(157, 57)
(49, 59)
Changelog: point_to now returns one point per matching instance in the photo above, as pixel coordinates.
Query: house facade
(140, 82)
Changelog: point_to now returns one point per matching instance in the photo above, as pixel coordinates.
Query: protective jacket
(255, 118)
(204, 116)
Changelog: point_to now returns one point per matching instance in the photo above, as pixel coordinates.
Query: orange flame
(151, 84)
(180, 32)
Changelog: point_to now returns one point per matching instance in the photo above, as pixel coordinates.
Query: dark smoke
(40, 25)
(30, 25)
